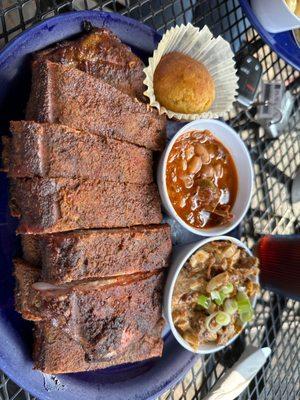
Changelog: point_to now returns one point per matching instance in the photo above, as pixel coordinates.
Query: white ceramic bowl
(274, 15)
(179, 257)
(242, 160)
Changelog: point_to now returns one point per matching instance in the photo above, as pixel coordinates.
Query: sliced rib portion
(72, 256)
(102, 54)
(105, 316)
(57, 353)
(55, 205)
(65, 95)
(108, 319)
(56, 151)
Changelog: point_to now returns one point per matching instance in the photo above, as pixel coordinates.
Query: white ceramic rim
(178, 337)
(207, 232)
(290, 11)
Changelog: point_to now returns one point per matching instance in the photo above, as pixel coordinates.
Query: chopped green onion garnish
(247, 316)
(215, 295)
(230, 306)
(204, 301)
(218, 297)
(209, 320)
(243, 301)
(227, 289)
(244, 307)
(222, 318)
(223, 297)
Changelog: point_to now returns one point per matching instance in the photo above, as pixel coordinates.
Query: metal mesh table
(277, 322)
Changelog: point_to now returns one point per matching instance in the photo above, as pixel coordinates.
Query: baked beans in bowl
(205, 178)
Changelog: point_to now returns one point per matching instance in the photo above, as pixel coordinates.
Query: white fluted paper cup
(214, 53)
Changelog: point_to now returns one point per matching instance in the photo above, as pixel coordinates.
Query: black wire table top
(277, 321)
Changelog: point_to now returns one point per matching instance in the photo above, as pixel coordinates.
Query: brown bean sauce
(201, 180)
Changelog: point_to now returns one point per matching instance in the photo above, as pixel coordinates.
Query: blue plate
(282, 43)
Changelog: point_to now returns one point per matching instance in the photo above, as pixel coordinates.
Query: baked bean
(219, 170)
(188, 181)
(184, 164)
(172, 157)
(194, 165)
(207, 171)
(182, 202)
(189, 152)
(201, 151)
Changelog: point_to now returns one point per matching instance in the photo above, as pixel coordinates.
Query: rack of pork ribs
(81, 170)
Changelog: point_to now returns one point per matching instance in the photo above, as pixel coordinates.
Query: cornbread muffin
(183, 85)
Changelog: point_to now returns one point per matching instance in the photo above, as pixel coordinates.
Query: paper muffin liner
(214, 53)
